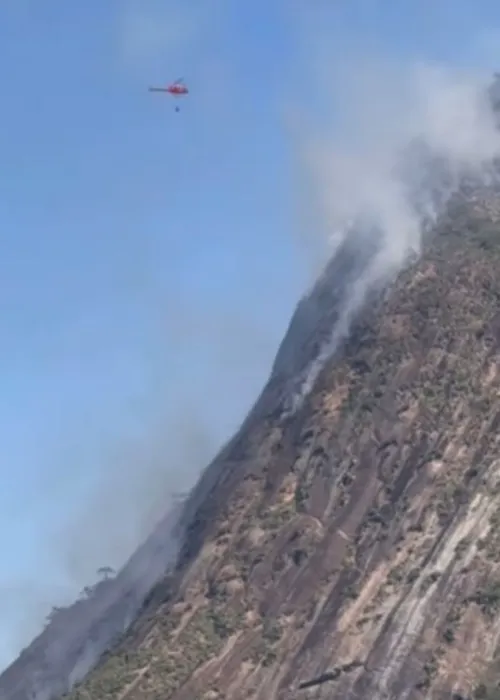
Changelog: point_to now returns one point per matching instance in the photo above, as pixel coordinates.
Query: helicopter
(177, 89)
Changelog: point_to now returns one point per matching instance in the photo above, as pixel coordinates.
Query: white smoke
(412, 135)
(370, 170)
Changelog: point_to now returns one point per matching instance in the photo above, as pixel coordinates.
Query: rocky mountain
(344, 543)
(350, 539)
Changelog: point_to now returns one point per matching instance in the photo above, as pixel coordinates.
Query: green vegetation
(488, 598)
(301, 496)
(169, 665)
(462, 547)
(272, 632)
(396, 575)
(264, 649)
(484, 692)
(413, 575)
(278, 515)
(486, 234)
(428, 581)
(490, 545)
(429, 671)
(111, 676)
(452, 621)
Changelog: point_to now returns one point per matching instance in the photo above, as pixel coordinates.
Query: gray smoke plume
(416, 134)
(368, 190)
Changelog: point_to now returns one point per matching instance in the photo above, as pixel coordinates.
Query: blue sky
(150, 261)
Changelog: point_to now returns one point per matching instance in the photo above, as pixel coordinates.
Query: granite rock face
(345, 543)
(354, 540)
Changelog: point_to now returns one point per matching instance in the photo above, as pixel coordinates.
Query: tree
(87, 592)
(106, 572)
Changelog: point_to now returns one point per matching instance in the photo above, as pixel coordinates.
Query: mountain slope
(355, 532)
(72, 643)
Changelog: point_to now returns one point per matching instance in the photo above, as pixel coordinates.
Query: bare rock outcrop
(353, 542)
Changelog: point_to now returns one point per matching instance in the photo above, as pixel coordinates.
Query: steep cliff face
(350, 536)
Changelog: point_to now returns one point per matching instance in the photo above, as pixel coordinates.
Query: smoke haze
(355, 165)
(410, 135)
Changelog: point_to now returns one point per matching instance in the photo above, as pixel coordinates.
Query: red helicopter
(176, 89)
